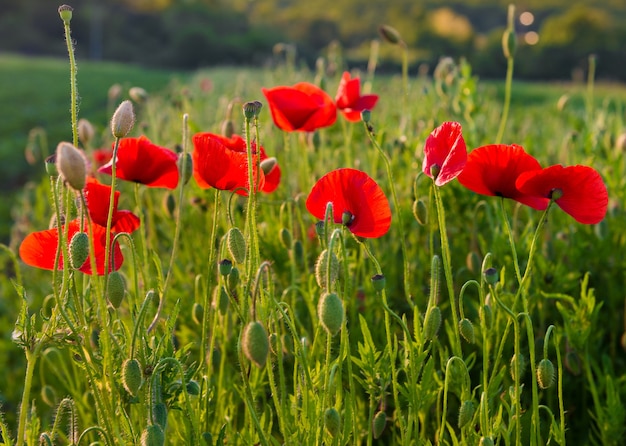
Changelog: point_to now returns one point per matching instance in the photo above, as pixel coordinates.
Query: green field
(392, 374)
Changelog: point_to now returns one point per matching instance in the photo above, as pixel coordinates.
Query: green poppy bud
(378, 424)
(131, 376)
(153, 436)
(79, 249)
(322, 269)
(116, 289)
(332, 421)
(236, 245)
(330, 312)
(466, 413)
(467, 330)
(255, 343)
(545, 373)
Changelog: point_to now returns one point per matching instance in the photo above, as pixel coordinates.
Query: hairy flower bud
(116, 288)
(153, 436)
(467, 330)
(330, 312)
(466, 413)
(332, 421)
(378, 424)
(123, 119)
(86, 131)
(545, 373)
(131, 376)
(255, 343)
(79, 249)
(322, 269)
(236, 245)
(71, 165)
(390, 34)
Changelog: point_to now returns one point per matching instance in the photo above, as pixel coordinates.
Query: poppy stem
(507, 99)
(509, 232)
(73, 88)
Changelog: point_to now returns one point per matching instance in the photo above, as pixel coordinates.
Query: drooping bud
(467, 330)
(49, 395)
(192, 387)
(197, 313)
(159, 414)
(79, 249)
(285, 238)
(466, 413)
(131, 376)
(268, 164)
(378, 424)
(255, 343)
(390, 34)
(116, 288)
(330, 312)
(545, 373)
(228, 128)
(332, 421)
(519, 362)
(322, 269)
(138, 94)
(420, 212)
(432, 322)
(123, 119)
(185, 166)
(71, 165)
(236, 244)
(220, 299)
(65, 12)
(153, 436)
(86, 131)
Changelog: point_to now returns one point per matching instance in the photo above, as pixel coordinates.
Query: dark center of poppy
(434, 170)
(347, 218)
(555, 194)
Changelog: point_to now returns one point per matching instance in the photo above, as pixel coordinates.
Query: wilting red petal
(98, 197)
(141, 161)
(39, 248)
(445, 149)
(493, 169)
(352, 191)
(215, 165)
(303, 107)
(583, 193)
(349, 99)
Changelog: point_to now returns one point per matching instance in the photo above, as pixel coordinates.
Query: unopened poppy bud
(228, 128)
(390, 34)
(236, 245)
(153, 436)
(485, 441)
(379, 281)
(123, 119)
(268, 164)
(159, 414)
(432, 322)
(319, 228)
(65, 12)
(332, 421)
(71, 165)
(420, 212)
(114, 92)
(509, 43)
(169, 204)
(49, 395)
(322, 269)
(491, 275)
(185, 166)
(86, 131)
(467, 330)
(233, 278)
(366, 116)
(79, 249)
(285, 238)
(545, 373)
(378, 424)
(298, 252)
(255, 343)
(251, 109)
(330, 311)
(138, 94)
(116, 289)
(197, 313)
(131, 376)
(192, 387)
(466, 413)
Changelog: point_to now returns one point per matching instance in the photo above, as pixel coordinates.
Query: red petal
(445, 148)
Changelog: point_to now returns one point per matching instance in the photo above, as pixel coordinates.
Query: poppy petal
(445, 150)
(349, 99)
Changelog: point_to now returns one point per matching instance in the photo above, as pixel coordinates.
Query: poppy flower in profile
(445, 153)
(217, 165)
(39, 248)
(141, 161)
(349, 100)
(98, 197)
(493, 169)
(303, 107)
(578, 190)
(358, 202)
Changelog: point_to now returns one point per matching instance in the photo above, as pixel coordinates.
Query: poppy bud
(466, 413)
(138, 94)
(319, 228)
(366, 116)
(114, 92)
(378, 424)
(379, 282)
(153, 436)
(184, 160)
(159, 415)
(545, 373)
(51, 165)
(390, 34)
(220, 299)
(322, 269)
(71, 165)
(298, 252)
(485, 441)
(285, 238)
(330, 311)
(116, 289)
(420, 212)
(169, 204)
(432, 322)
(79, 249)
(255, 343)
(268, 164)
(86, 131)
(236, 244)
(192, 387)
(65, 12)
(467, 330)
(123, 119)
(233, 278)
(228, 128)
(197, 313)
(332, 421)
(131, 376)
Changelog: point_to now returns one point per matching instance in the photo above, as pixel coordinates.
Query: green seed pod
(379, 282)
(330, 312)
(159, 415)
(322, 270)
(233, 278)
(545, 373)
(491, 275)
(225, 266)
(467, 330)
(255, 343)
(153, 436)
(193, 388)
(65, 12)
(420, 212)
(79, 249)
(236, 245)
(131, 376)
(332, 421)
(116, 289)
(466, 413)
(432, 322)
(378, 424)
(49, 395)
(197, 313)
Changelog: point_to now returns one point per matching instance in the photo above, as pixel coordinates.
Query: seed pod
(236, 245)
(466, 413)
(65, 12)
(322, 270)
(225, 266)
(379, 282)
(545, 373)
(432, 322)
(116, 289)
(79, 249)
(255, 343)
(153, 436)
(332, 421)
(378, 424)
(131, 376)
(330, 312)
(467, 330)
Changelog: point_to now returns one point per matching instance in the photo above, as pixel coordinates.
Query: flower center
(555, 194)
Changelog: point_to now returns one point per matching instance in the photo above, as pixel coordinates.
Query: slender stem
(251, 227)
(509, 232)
(31, 359)
(73, 88)
(535, 436)
(207, 292)
(507, 99)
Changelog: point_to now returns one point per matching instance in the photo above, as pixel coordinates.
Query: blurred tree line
(187, 34)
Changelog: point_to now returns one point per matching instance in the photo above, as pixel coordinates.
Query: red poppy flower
(493, 169)
(303, 107)
(217, 165)
(98, 197)
(349, 99)
(445, 153)
(101, 156)
(141, 161)
(358, 202)
(578, 190)
(39, 248)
